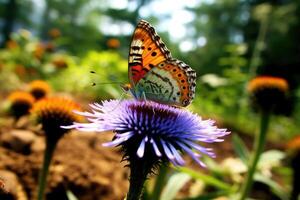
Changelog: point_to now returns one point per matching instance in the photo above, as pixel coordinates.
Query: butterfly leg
(119, 101)
(145, 99)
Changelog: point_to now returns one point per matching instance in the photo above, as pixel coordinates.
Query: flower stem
(258, 149)
(138, 175)
(50, 147)
(159, 182)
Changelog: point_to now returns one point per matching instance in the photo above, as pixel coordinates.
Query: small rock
(19, 140)
(23, 122)
(38, 144)
(12, 189)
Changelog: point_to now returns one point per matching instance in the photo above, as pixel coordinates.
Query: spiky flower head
(39, 89)
(150, 132)
(268, 93)
(54, 112)
(20, 103)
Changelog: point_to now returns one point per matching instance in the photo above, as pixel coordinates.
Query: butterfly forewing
(146, 51)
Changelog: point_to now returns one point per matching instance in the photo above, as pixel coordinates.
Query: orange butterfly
(154, 74)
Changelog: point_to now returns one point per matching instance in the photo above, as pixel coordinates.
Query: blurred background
(227, 42)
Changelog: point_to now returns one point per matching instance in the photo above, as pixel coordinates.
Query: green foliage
(109, 68)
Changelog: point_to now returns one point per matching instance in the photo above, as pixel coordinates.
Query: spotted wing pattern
(170, 82)
(154, 74)
(146, 51)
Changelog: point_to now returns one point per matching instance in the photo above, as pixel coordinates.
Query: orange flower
(113, 43)
(21, 102)
(59, 63)
(262, 82)
(270, 94)
(11, 44)
(39, 89)
(294, 143)
(39, 51)
(49, 47)
(55, 112)
(54, 33)
(20, 70)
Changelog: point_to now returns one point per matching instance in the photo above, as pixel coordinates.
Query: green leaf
(271, 158)
(240, 148)
(209, 180)
(175, 183)
(211, 195)
(71, 196)
(275, 187)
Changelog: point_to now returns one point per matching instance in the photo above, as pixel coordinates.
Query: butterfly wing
(171, 82)
(146, 51)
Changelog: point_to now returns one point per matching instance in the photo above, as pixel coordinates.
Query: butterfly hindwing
(171, 82)
(146, 51)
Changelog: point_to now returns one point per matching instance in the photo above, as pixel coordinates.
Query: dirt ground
(80, 164)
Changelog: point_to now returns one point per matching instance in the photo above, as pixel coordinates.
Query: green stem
(50, 147)
(259, 44)
(159, 183)
(139, 171)
(258, 149)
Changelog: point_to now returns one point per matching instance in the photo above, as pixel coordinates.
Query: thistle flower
(149, 134)
(152, 131)
(39, 89)
(21, 102)
(268, 93)
(53, 113)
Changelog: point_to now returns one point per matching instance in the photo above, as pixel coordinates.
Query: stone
(18, 140)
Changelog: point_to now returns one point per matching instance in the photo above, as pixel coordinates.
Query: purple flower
(148, 130)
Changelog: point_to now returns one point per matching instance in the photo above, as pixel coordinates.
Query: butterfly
(154, 74)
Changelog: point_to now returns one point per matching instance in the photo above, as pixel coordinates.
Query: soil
(80, 164)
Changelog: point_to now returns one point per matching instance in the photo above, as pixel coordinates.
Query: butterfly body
(154, 74)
